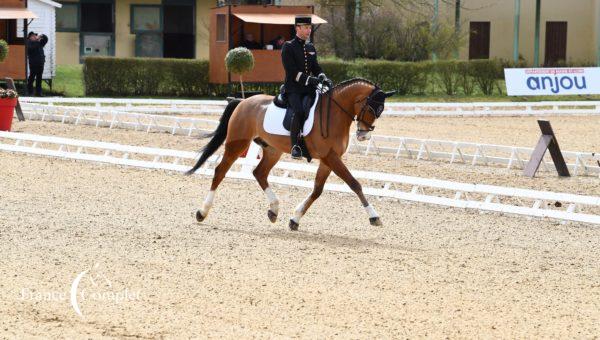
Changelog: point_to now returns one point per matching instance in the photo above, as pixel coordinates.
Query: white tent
(46, 24)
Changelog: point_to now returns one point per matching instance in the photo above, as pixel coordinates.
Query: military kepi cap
(303, 20)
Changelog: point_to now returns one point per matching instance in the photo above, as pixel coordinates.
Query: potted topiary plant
(239, 61)
(8, 101)
(8, 98)
(3, 50)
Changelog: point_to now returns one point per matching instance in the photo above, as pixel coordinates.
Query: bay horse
(242, 122)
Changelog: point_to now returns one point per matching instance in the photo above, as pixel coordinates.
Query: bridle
(374, 104)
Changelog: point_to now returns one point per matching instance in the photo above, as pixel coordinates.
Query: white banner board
(552, 81)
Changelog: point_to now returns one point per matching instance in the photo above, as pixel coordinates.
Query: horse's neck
(345, 99)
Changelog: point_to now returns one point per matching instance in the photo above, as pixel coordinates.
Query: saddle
(282, 102)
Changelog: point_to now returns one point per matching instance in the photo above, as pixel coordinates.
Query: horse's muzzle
(362, 136)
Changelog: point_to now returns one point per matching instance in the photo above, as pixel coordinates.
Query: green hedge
(189, 78)
(404, 77)
(145, 77)
(486, 73)
(451, 76)
(337, 70)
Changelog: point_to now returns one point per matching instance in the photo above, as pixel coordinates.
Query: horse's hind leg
(233, 150)
(261, 172)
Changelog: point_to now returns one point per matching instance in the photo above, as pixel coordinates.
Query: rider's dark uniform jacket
(299, 61)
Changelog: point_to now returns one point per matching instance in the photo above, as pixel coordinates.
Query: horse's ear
(389, 94)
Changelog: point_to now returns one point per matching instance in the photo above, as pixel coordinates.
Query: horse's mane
(352, 81)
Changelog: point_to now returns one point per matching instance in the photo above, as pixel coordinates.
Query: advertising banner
(552, 81)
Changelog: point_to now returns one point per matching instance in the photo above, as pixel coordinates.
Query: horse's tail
(218, 136)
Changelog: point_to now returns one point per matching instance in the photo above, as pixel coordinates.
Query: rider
(302, 75)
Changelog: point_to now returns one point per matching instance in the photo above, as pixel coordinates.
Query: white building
(46, 24)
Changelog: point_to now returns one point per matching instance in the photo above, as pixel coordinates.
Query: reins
(359, 117)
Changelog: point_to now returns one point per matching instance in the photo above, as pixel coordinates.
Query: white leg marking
(208, 202)
(273, 201)
(371, 211)
(299, 210)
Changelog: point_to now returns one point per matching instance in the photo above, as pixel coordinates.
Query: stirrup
(296, 152)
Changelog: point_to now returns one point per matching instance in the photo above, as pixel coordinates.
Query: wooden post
(516, 31)
(536, 37)
(457, 25)
(434, 25)
(10, 84)
(547, 141)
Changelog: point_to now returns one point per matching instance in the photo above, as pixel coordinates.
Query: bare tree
(357, 18)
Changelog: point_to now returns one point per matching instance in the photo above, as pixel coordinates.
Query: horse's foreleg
(232, 151)
(340, 169)
(322, 174)
(261, 172)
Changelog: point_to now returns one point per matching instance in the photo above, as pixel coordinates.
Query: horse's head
(368, 109)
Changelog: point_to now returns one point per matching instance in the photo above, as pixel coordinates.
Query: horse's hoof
(375, 221)
(199, 216)
(293, 225)
(272, 216)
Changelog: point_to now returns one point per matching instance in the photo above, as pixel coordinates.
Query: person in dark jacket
(277, 43)
(37, 58)
(302, 75)
(250, 43)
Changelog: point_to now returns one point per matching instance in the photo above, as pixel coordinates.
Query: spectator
(37, 58)
(277, 43)
(250, 44)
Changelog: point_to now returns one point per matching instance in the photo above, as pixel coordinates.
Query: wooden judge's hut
(230, 25)
(12, 11)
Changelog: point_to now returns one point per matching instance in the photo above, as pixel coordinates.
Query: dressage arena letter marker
(547, 141)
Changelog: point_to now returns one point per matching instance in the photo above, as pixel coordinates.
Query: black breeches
(295, 101)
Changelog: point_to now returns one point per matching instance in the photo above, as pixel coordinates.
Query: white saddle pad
(273, 122)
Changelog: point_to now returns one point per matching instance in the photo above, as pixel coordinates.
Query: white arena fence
(510, 157)
(112, 118)
(216, 107)
(561, 206)
(580, 163)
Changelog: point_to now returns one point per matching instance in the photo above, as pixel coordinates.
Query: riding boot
(296, 151)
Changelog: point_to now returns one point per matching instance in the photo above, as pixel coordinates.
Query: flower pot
(7, 111)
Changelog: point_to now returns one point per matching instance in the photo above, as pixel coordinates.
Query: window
(14, 36)
(221, 28)
(4, 29)
(97, 17)
(9, 31)
(556, 43)
(146, 19)
(479, 40)
(149, 45)
(67, 17)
